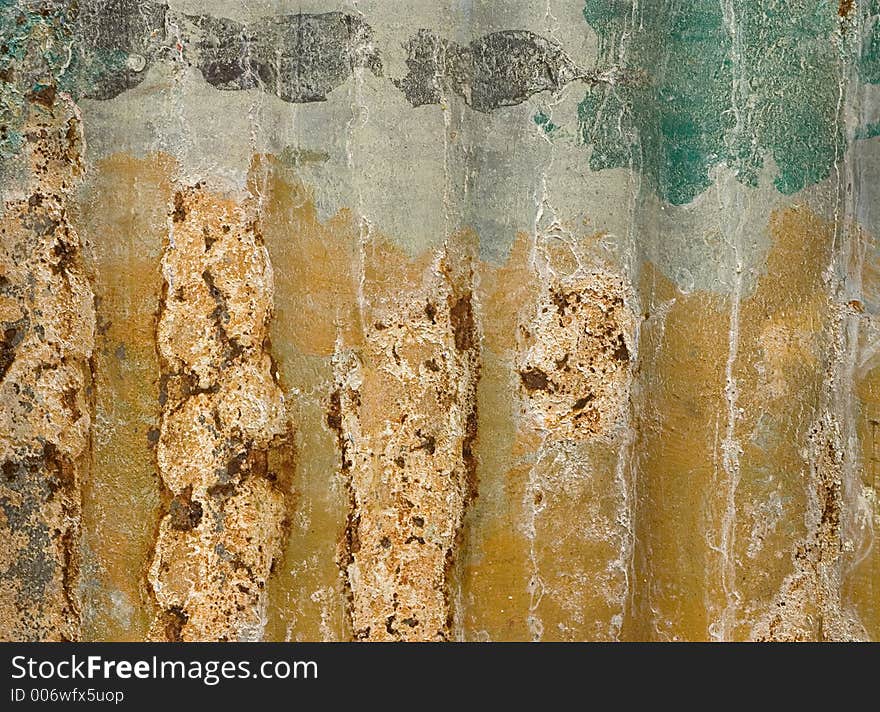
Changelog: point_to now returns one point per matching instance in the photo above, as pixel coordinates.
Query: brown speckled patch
(574, 365)
(405, 413)
(222, 412)
(46, 340)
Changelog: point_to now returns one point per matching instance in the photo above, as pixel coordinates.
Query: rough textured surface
(406, 420)
(575, 355)
(221, 411)
(297, 58)
(48, 328)
(500, 69)
(461, 320)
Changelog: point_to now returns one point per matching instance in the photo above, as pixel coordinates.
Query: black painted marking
(498, 69)
(116, 41)
(303, 57)
(299, 58)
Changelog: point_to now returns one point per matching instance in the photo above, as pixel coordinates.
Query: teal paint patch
(869, 57)
(45, 44)
(605, 123)
(701, 93)
(543, 120)
(33, 44)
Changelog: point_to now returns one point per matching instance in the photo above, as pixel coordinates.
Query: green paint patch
(869, 57)
(41, 47)
(707, 89)
(543, 120)
(32, 51)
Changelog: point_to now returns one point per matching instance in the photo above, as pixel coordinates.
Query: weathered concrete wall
(457, 320)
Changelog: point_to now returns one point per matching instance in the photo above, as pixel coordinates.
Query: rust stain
(493, 572)
(679, 410)
(808, 605)
(577, 338)
(505, 293)
(123, 214)
(861, 589)
(790, 468)
(431, 373)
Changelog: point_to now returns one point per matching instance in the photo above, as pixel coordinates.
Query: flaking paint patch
(47, 340)
(298, 58)
(222, 413)
(678, 122)
(574, 365)
(499, 69)
(545, 553)
(405, 413)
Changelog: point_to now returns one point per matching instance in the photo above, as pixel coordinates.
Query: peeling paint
(222, 412)
(46, 386)
(406, 417)
(459, 323)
